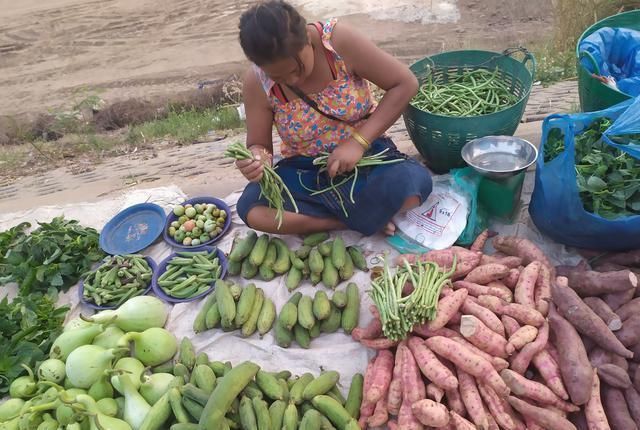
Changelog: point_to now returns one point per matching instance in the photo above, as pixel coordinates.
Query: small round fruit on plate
(197, 222)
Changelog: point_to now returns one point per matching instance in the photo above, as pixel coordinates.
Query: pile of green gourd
(97, 377)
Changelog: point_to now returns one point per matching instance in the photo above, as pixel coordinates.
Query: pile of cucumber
(304, 318)
(232, 307)
(215, 395)
(318, 260)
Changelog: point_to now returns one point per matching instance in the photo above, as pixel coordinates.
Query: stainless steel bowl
(499, 157)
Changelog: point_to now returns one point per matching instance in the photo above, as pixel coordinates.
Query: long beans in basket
(271, 185)
(471, 93)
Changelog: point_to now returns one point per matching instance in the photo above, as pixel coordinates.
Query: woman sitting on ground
(311, 81)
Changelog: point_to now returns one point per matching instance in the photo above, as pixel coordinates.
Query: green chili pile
(400, 313)
(608, 179)
(472, 93)
(271, 185)
(367, 161)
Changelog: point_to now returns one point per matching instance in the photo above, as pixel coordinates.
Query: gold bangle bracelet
(361, 139)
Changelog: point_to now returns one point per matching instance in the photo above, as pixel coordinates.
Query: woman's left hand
(344, 158)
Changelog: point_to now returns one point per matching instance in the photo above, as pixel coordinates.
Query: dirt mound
(128, 112)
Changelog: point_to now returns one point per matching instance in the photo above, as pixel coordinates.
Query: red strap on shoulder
(280, 95)
(328, 54)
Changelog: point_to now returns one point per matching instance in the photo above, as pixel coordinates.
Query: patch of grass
(186, 126)
(14, 158)
(25, 158)
(553, 65)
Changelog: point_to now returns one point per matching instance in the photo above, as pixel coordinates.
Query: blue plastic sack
(556, 207)
(616, 53)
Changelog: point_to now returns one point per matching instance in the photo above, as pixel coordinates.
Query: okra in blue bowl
(189, 275)
(116, 280)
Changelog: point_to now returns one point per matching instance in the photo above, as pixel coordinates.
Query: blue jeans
(379, 192)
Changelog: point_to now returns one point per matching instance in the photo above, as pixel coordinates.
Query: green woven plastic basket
(439, 138)
(595, 95)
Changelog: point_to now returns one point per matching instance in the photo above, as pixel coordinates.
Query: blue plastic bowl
(162, 267)
(132, 229)
(172, 217)
(152, 265)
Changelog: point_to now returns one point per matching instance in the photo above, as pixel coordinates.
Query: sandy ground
(55, 52)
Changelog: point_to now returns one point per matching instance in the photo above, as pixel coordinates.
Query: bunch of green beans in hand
(271, 185)
(119, 278)
(366, 161)
(399, 313)
(472, 93)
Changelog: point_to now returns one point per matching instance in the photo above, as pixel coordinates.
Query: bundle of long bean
(399, 314)
(271, 185)
(366, 161)
(472, 93)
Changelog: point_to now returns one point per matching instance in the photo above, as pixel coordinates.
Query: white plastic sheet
(330, 351)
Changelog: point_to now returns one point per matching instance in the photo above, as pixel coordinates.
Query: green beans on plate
(190, 274)
(471, 93)
(119, 278)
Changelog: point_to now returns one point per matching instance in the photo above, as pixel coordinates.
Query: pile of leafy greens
(608, 179)
(55, 254)
(28, 327)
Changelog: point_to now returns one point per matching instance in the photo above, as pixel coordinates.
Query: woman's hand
(253, 169)
(344, 158)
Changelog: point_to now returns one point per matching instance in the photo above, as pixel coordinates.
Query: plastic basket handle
(528, 57)
(588, 56)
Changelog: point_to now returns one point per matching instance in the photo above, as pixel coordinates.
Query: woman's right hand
(252, 169)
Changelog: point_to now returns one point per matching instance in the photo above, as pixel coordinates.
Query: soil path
(55, 52)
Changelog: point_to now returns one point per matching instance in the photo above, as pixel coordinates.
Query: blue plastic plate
(132, 229)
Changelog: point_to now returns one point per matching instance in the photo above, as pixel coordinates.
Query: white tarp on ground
(330, 351)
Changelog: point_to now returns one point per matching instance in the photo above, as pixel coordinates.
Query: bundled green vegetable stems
(271, 185)
(400, 312)
(470, 93)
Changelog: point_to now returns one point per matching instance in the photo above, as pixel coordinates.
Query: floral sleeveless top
(302, 129)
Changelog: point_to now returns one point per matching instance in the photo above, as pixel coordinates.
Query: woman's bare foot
(390, 229)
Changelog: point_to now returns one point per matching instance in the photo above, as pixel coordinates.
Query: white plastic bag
(439, 221)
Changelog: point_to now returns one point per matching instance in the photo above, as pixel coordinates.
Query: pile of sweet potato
(514, 346)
